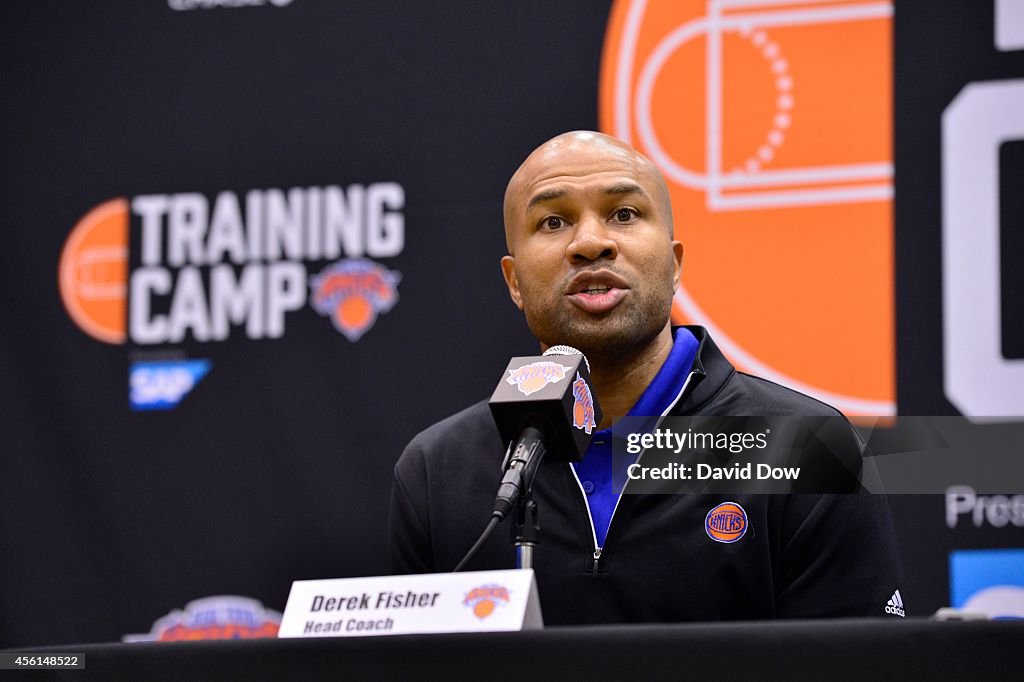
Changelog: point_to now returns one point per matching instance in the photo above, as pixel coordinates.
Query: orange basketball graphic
(484, 599)
(355, 311)
(483, 608)
(353, 292)
(533, 384)
(93, 272)
(535, 376)
(771, 121)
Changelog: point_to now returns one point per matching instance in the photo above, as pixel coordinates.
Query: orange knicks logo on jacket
(483, 600)
(726, 523)
(353, 292)
(536, 375)
(583, 408)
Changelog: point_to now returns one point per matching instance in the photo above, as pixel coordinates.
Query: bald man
(592, 263)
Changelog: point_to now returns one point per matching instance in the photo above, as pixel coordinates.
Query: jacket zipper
(593, 532)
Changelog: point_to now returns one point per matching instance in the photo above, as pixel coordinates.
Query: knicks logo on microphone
(583, 408)
(532, 377)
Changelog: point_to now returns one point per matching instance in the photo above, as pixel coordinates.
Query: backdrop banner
(252, 248)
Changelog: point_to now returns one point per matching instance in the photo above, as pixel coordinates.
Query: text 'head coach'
(593, 264)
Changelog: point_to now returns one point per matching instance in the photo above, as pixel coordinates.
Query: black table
(883, 649)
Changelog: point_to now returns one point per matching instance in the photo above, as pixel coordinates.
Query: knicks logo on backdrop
(210, 267)
(353, 292)
(772, 124)
(219, 617)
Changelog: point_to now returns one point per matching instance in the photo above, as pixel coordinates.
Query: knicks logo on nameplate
(483, 600)
(583, 407)
(777, 149)
(532, 377)
(353, 292)
(726, 523)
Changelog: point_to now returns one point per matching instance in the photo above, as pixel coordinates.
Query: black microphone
(543, 406)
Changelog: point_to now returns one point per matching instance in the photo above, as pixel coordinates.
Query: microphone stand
(525, 530)
(515, 495)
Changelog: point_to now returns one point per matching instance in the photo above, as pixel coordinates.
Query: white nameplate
(484, 601)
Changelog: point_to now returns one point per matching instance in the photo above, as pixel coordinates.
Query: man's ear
(677, 257)
(508, 269)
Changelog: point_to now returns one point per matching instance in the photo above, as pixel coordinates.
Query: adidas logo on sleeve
(895, 605)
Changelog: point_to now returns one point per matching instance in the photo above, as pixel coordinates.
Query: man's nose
(591, 241)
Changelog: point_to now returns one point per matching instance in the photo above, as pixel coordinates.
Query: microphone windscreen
(566, 350)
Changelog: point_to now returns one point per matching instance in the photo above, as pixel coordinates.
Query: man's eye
(624, 215)
(553, 222)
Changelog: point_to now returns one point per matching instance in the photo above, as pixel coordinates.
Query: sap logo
(997, 510)
(162, 385)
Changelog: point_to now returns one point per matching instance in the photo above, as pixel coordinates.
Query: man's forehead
(580, 159)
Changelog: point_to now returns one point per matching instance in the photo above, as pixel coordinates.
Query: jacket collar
(711, 371)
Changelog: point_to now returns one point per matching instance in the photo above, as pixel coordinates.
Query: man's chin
(602, 339)
(622, 331)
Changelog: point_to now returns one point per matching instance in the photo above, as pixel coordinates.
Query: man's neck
(619, 382)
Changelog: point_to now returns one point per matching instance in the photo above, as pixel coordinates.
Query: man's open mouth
(597, 291)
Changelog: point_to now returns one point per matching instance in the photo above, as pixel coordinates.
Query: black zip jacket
(802, 556)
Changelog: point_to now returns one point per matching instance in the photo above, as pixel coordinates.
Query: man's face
(592, 262)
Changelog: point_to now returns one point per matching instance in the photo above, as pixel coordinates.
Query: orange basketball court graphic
(771, 122)
(93, 272)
